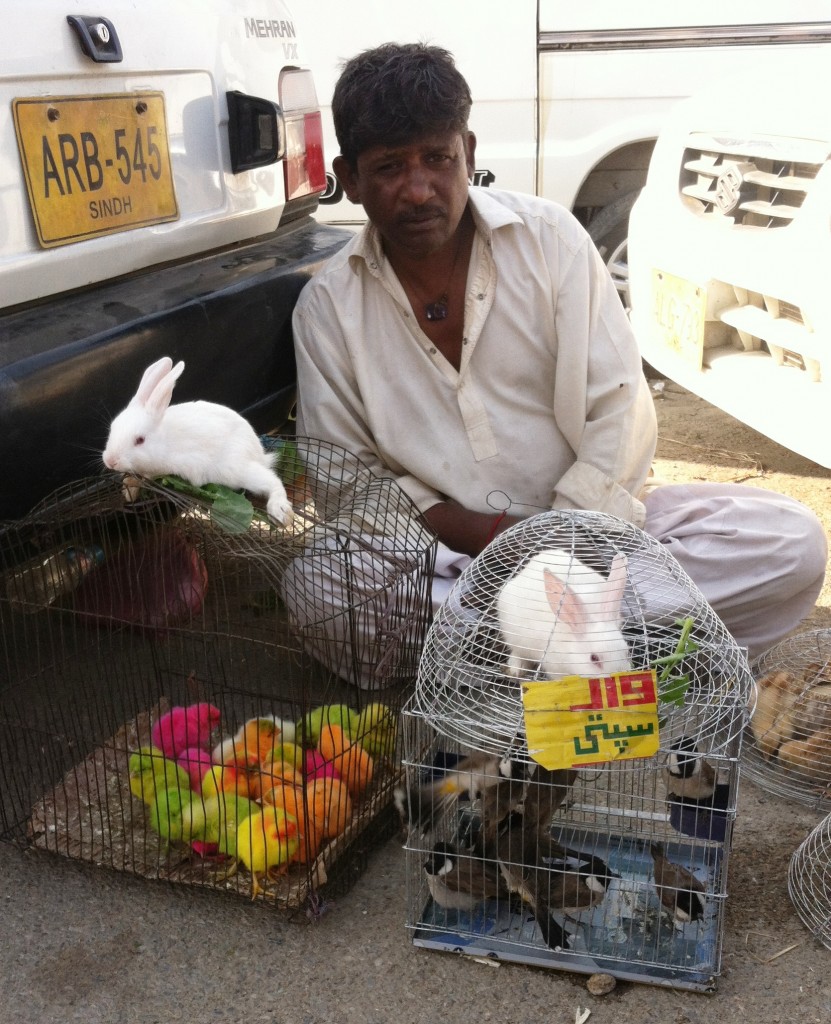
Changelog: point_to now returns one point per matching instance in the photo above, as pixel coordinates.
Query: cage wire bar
(121, 603)
(621, 865)
(809, 881)
(788, 751)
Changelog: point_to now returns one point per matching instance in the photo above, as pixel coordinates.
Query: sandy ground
(86, 944)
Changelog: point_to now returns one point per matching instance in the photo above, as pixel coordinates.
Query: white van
(568, 98)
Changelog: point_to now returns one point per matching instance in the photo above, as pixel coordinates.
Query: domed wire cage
(560, 595)
(809, 881)
(121, 601)
(788, 747)
(466, 689)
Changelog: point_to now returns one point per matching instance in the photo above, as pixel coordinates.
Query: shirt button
(480, 296)
(432, 351)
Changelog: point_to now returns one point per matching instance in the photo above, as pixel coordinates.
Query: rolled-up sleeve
(602, 402)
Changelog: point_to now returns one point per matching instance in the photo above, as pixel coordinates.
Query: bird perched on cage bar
(459, 881)
(549, 878)
(496, 782)
(688, 776)
(547, 790)
(681, 893)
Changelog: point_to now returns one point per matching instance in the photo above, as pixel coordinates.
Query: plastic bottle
(37, 584)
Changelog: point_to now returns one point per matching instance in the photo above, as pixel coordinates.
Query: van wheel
(609, 230)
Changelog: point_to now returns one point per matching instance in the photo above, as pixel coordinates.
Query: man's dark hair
(395, 93)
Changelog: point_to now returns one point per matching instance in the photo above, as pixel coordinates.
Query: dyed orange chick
(352, 763)
(295, 801)
(251, 744)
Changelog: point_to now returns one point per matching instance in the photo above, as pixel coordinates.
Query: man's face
(415, 194)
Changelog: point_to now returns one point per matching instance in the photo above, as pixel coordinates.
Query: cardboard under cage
(118, 607)
(574, 740)
(788, 747)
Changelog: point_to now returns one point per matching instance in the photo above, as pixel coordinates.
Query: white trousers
(758, 557)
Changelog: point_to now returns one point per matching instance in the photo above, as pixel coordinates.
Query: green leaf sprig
(672, 683)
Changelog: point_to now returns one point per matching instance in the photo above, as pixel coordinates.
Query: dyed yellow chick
(150, 773)
(267, 841)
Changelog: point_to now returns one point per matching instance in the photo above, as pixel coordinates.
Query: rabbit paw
(279, 508)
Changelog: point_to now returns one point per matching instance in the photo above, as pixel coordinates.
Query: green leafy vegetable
(230, 510)
(287, 462)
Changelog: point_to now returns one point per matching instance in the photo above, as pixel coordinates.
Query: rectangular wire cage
(120, 606)
(600, 871)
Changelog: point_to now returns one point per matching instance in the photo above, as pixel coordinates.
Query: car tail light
(305, 168)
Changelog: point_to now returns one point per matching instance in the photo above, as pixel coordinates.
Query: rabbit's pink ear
(564, 602)
(160, 397)
(150, 378)
(614, 588)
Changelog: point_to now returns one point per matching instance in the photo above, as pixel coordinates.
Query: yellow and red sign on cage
(580, 721)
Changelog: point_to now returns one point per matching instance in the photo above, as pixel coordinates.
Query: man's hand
(466, 531)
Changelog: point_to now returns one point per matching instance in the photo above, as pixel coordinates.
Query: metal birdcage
(788, 748)
(609, 857)
(120, 605)
(809, 881)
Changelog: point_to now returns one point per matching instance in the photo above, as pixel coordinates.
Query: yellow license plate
(95, 165)
(679, 312)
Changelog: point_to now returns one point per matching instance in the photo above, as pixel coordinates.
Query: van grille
(756, 322)
(762, 181)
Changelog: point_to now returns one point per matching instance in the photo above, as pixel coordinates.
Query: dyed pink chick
(181, 728)
(315, 766)
(196, 762)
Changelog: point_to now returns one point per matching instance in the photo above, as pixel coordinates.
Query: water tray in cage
(628, 935)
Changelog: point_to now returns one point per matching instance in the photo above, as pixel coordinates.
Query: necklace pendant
(436, 310)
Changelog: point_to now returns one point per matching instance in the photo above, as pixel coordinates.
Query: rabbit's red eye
(139, 440)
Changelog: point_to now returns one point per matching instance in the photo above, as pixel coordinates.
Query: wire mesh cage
(809, 881)
(573, 744)
(788, 752)
(198, 694)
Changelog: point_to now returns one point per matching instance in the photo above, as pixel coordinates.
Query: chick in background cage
(789, 748)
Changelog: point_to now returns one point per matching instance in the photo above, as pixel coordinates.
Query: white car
(730, 251)
(159, 172)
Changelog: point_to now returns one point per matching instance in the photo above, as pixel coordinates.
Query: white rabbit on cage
(203, 442)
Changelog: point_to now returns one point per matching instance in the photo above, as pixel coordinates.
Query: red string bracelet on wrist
(495, 527)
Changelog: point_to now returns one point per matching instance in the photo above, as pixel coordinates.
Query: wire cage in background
(809, 881)
(193, 692)
(586, 821)
(788, 752)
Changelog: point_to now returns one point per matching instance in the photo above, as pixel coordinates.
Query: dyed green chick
(224, 813)
(150, 773)
(178, 815)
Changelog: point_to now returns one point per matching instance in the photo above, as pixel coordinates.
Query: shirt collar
(488, 212)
